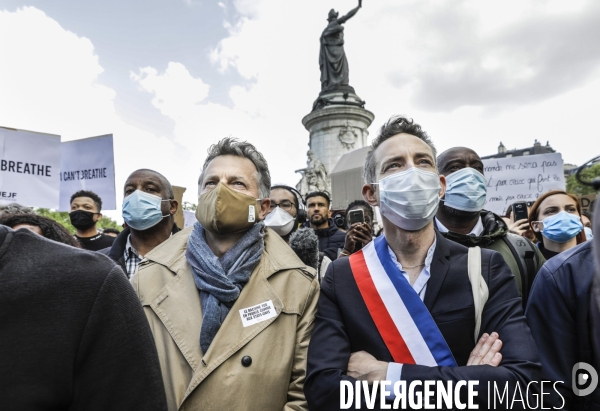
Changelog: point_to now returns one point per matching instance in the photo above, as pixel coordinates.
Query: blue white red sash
(405, 324)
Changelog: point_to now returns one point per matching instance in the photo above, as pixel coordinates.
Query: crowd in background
(151, 317)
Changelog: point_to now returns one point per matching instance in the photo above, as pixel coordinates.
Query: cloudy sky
(169, 78)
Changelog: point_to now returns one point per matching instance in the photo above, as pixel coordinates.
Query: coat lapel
(171, 289)
(183, 324)
(439, 269)
(232, 335)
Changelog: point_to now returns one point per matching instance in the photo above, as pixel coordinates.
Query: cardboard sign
(522, 178)
(29, 168)
(88, 164)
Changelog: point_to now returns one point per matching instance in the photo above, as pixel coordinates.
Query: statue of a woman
(332, 58)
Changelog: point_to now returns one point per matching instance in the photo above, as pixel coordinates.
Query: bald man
(149, 211)
(461, 217)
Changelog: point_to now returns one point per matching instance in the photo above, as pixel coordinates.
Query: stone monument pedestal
(338, 124)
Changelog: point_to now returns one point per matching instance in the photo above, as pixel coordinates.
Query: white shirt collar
(476, 231)
(420, 285)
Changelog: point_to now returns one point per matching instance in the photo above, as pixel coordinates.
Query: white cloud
(176, 92)
(48, 78)
(508, 75)
(51, 85)
(472, 73)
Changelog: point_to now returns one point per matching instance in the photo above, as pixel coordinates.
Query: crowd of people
(267, 303)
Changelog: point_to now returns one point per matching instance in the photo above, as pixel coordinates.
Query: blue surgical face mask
(465, 190)
(142, 210)
(588, 233)
(561, 227)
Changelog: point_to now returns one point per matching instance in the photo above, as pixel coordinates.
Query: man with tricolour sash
(411, 305)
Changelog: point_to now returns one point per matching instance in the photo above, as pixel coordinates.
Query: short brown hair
(395, 125)
(234, 147)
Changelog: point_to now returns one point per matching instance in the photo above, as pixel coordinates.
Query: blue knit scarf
(220, 280)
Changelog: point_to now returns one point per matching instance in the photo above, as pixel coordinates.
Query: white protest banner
(29, 167)
(522, 178)
(88, 164)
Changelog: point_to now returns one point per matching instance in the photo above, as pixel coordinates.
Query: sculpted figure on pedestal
(332, 58)
(314, 176)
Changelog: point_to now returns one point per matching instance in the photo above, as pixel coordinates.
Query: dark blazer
(73, 335)
(343, 325)
(331, 239)
(561, 292)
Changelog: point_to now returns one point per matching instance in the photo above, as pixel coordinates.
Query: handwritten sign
(522, 178)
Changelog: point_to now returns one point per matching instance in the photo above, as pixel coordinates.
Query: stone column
(338, 124)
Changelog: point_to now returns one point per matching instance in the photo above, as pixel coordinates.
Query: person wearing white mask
(462, 218)
(149, 211)
(403, 307)
(285, 217)
(285, 214)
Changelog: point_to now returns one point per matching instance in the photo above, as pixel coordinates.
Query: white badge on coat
(257, 313)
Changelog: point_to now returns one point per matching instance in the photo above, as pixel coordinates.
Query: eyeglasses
(285, 205)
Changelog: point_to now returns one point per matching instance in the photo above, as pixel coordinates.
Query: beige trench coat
(219, 379)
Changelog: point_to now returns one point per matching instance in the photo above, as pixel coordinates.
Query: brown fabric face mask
(225, 211)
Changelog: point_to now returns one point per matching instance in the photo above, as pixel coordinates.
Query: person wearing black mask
(84, 215)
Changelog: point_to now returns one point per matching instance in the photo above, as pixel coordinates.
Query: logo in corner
(584, 379)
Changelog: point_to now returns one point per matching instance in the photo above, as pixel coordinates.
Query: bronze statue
(332, 58)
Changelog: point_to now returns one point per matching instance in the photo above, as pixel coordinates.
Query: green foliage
(58, 216)
(189, 206)
(62, 217)
(106, 222)
(588, 174)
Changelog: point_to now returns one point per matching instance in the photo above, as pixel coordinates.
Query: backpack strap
(524, 252)
(530, 264)
(478, 286)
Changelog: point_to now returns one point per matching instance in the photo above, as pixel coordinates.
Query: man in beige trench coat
(230, 305)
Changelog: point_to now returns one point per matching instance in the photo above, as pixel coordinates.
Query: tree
(189, 206)
(62, 217)
(588, 174)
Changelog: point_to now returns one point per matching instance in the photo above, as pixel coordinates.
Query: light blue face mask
(588, 233)
(142, 210)
(465, 190)
(561, 227)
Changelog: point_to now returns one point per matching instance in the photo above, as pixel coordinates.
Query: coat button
(246, 360)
